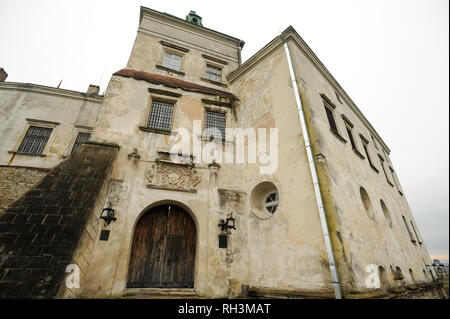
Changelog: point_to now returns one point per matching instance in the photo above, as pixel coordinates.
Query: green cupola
(194, 18)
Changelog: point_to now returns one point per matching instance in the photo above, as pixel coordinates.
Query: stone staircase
(160, 293)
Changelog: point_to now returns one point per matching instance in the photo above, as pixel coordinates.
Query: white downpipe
(312, 166)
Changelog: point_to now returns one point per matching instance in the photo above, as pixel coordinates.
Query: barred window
(161, 116)
(215, 120)
(172, 61)
(213, 73)
(81, 138)
(35, 140)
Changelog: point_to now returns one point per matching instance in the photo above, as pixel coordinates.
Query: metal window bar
(215, 120)
(213, 73)
(81, 138)
(161, 116)
(35, 140)
(172, 61)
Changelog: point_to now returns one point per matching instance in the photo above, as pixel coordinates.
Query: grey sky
(392, 58)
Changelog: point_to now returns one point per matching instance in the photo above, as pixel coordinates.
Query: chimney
(93, 89)
(3, 75)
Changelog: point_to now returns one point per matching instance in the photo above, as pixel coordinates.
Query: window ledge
(169, 70)
(154, 130)
(214, 82)
(374, 168)
(27, 154)
(390, 183)
(359, 154)
(339, 137)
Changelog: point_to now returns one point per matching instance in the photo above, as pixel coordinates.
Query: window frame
(330, 113)
(76, 137)
(411, 235)
(365, 144)
(36, 123)
(214, 67)
(146, 127)
(173, 52)
(216, 109)
(382, 163)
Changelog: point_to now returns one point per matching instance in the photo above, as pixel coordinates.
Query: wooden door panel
(163, 249)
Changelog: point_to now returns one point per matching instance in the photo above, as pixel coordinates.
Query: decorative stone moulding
(231, 200)
(164, 174)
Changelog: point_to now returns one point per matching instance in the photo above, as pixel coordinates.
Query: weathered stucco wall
(66, 112)
(367, 237)
(286, 251)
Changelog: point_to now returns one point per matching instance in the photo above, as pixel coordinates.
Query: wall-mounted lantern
(225, 225)
(108, 215)
(229, 223)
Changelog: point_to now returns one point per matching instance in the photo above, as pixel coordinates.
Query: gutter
(312, 166)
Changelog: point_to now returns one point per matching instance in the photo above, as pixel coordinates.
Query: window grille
(271, 202)
(215, 120)
(81, 138)
(161, 116)
(172, 61)
(35, 140)
(213, 73)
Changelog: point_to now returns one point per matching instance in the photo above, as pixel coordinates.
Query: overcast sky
(392, 58)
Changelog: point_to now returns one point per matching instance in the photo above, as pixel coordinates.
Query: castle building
(135, 192)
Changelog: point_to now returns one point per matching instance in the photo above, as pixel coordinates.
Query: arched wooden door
(163, 249)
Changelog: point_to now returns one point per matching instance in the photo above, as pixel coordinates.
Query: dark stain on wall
(40, 231)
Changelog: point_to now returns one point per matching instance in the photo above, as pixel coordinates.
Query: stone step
(143, 293)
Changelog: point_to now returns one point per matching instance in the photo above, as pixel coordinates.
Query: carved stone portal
(173, 176)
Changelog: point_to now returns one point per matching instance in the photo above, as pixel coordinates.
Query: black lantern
(108, 215)
(229, 223)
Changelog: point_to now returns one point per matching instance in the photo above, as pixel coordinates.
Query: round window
(271, 202)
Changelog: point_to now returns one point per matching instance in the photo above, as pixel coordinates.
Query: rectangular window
(213, 73)
(215, 120)
(331, 120)
(35, 140)
(365, 146)
(419, 240)
(384, 170)
(350, 136)
(395, 178)
(374, 142)
(172, 61)
(81, 138)
(161, 116)
(408, 230)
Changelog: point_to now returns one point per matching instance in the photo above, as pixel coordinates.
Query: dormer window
(213, 73)
(172, 61)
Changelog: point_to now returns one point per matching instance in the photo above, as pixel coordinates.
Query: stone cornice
(29, 87)
(186, 25)
(291, 35)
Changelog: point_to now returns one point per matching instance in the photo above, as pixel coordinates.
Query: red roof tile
(173, 83)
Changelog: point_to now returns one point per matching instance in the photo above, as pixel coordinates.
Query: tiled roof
(174, 83)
